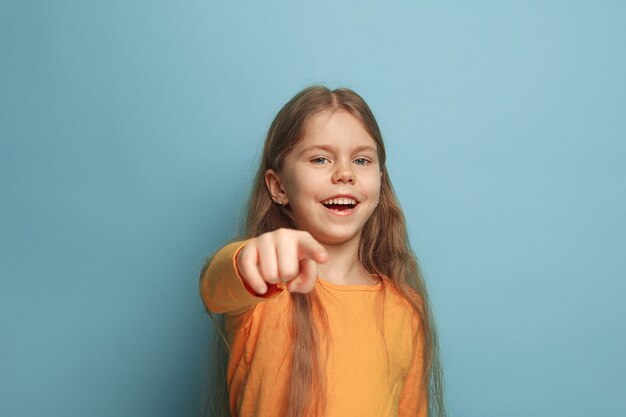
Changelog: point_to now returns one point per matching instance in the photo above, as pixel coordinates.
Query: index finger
(309, 248)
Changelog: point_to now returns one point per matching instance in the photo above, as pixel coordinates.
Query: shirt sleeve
(222, 288)
(414, 396)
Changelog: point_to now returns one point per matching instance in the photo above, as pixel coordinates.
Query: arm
(414, 396)
(265, 262)
(222, 288)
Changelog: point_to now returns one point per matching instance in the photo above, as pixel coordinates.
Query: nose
(343, 173)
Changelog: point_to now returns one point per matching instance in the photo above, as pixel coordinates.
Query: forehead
(337, 128)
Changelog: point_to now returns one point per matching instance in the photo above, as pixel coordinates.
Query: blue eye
(319, 160)
(361, 161)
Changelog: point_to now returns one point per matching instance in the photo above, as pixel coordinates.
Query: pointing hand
(286, 255)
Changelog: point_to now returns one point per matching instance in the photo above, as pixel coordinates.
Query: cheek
(376, 189)
(297, 187)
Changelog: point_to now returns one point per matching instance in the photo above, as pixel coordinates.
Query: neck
(343, 266)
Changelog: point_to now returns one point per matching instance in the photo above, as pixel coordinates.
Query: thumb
(305, 281)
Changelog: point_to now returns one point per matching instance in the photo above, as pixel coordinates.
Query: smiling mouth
(340, 204)
(339, 207)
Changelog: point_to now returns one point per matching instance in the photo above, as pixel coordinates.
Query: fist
(283, 255)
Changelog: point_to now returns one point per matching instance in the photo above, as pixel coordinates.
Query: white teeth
(341, 200)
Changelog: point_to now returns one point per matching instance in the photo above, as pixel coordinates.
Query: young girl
(325, 312)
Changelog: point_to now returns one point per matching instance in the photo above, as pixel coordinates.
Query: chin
(336, 238)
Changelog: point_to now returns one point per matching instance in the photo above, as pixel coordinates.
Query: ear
(275, 186)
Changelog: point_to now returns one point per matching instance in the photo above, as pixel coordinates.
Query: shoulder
(405, 296)
(402, 291)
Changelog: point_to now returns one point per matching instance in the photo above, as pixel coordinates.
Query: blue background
(129, 132)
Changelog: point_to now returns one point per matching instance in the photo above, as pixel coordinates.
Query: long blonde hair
(384, 249)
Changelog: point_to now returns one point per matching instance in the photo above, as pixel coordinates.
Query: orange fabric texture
(373, 368)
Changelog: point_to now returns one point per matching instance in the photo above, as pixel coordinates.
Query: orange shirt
(360, 380)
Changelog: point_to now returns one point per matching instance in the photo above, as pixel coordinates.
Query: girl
(325, 312)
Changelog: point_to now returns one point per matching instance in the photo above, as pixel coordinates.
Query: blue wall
(129, 131)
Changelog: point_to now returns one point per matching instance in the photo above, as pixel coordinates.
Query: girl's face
(331, 178)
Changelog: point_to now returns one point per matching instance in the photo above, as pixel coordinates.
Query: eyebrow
(329, 148)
